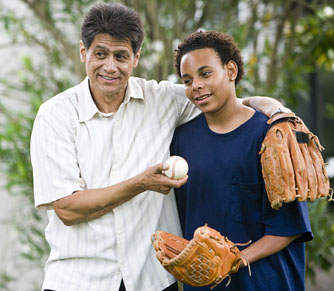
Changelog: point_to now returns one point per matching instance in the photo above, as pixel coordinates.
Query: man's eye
(206, 73)
(100, 54)
(121, 57)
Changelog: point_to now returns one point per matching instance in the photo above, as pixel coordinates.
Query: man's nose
(110, 65)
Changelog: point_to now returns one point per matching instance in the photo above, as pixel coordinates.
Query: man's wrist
(280, 110)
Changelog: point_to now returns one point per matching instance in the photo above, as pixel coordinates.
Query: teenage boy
(225, 188)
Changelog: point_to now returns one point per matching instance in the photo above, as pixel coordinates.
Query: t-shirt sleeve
(56, 172)
(291, 219)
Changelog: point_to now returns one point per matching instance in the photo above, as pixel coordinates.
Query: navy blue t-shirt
(226, 190)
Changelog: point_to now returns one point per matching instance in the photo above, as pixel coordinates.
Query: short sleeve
(291, 219)
(56, 173)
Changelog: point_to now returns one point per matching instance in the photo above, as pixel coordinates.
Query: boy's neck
(229, 119)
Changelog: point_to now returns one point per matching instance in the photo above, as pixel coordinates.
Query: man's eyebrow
(101, 47)
(98, 46)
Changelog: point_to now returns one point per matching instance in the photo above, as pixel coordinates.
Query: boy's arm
(266, 246)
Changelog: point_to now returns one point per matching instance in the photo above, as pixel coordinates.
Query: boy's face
(208, 83)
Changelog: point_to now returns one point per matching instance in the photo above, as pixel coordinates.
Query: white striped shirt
(75, 147)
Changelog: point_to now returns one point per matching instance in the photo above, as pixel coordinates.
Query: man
(225, 188)
(97, 152)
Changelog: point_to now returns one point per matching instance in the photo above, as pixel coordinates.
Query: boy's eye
(206, 73)
(187, 81)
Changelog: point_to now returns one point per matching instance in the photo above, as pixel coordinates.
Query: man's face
(208, 83)
(109, 65)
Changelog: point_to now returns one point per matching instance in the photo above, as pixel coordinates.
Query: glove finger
(298, 163)
(272, 175)
(311, 192)
(286, 150)
(318, 163)
(168, 245)
(289, 192)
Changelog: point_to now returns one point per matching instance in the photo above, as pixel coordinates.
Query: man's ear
(82, 51)
(137, 56)
(232, 70)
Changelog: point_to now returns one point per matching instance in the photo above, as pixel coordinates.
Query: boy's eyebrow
(184, 76)
(200, 69)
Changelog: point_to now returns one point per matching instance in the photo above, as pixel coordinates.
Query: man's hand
(90, 204)
(267, 105)
(154, 179)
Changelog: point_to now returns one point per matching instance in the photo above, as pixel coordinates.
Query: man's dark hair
(117, 20)
(223, 44)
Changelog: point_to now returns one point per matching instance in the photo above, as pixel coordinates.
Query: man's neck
(108, 103)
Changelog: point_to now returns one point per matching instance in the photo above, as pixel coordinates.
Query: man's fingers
(167, 184)
(178, 183)
(154, 179)
(159, 168)
(164, 189)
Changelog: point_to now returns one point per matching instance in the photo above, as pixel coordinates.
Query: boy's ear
(232, 70)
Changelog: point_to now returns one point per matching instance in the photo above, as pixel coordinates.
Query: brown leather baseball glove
(292, 164)
(205, 260)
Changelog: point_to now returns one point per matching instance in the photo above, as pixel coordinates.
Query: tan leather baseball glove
(292, 164)
(205, 260)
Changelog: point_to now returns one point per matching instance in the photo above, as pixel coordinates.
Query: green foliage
(5, 279)
(320, 251)
(282, 41)
(15, 162)
(330, 111)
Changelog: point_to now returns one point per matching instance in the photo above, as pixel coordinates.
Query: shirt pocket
(246, 203)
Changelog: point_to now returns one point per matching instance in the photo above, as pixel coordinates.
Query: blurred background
(288, 51)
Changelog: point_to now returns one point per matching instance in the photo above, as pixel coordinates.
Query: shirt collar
(133, 90)
(86, 105)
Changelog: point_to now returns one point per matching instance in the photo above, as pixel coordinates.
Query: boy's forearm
(267, 246)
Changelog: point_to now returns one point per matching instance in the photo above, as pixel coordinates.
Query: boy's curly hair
(223, 44)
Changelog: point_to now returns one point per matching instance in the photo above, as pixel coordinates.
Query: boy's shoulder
(195, 122)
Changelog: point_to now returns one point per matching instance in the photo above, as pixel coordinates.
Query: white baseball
(178, 167)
